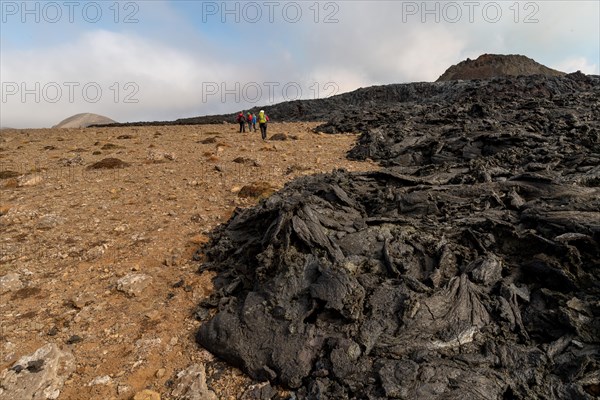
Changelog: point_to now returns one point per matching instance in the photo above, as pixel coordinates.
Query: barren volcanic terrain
(464, 264)
(99, 261)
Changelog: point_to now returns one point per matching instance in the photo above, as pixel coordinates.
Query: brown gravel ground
(71, 232)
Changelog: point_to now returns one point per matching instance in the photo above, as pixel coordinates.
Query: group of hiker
(251, 120)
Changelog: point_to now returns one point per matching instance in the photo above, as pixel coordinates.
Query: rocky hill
(83, 120)
(495, 65)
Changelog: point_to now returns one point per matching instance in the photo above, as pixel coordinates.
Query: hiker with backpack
(262, 123)
(249, 119)
(254, 122)
(241, 119)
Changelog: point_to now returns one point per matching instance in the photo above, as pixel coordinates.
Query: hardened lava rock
(468, 267)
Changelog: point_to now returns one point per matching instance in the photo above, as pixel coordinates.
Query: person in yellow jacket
(262, 123)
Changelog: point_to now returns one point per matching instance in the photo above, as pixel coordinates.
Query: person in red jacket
(241, 119)
(249, 120)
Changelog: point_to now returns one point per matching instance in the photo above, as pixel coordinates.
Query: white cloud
(578, 64)
(50, 84)
(169, 57)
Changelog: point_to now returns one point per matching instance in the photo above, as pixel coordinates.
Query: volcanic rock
(108, 163)
(468, 267)
(279, 136)
(7, 174)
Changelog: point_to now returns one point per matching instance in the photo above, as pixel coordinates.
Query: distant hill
(83, 120)
(489, 66)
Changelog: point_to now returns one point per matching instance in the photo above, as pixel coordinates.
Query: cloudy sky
(163, 60)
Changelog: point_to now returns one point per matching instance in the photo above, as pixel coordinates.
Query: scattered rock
(26, 292)
(256, 190)
(174, 259)
(199, 238)
(108, 163)
(71, 161)
(133, 284)
(101, 380)
(244, 160)
(10, 282)
(6, 174)
(259, 391)
(4, 209)
(29, 180)
(279, 136)
(159, 156)
(147, 395)
(209, 140)
(95, 252)
(122, 389)
(202, 314)
(10, 183)
(40, 375)
(110, 146)
(152, 315)
(49, 221)
(268, 148)
(191, 384)
(81, 300)
(198, 218)
(178, 284)
(296, 168)
(73, 339)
